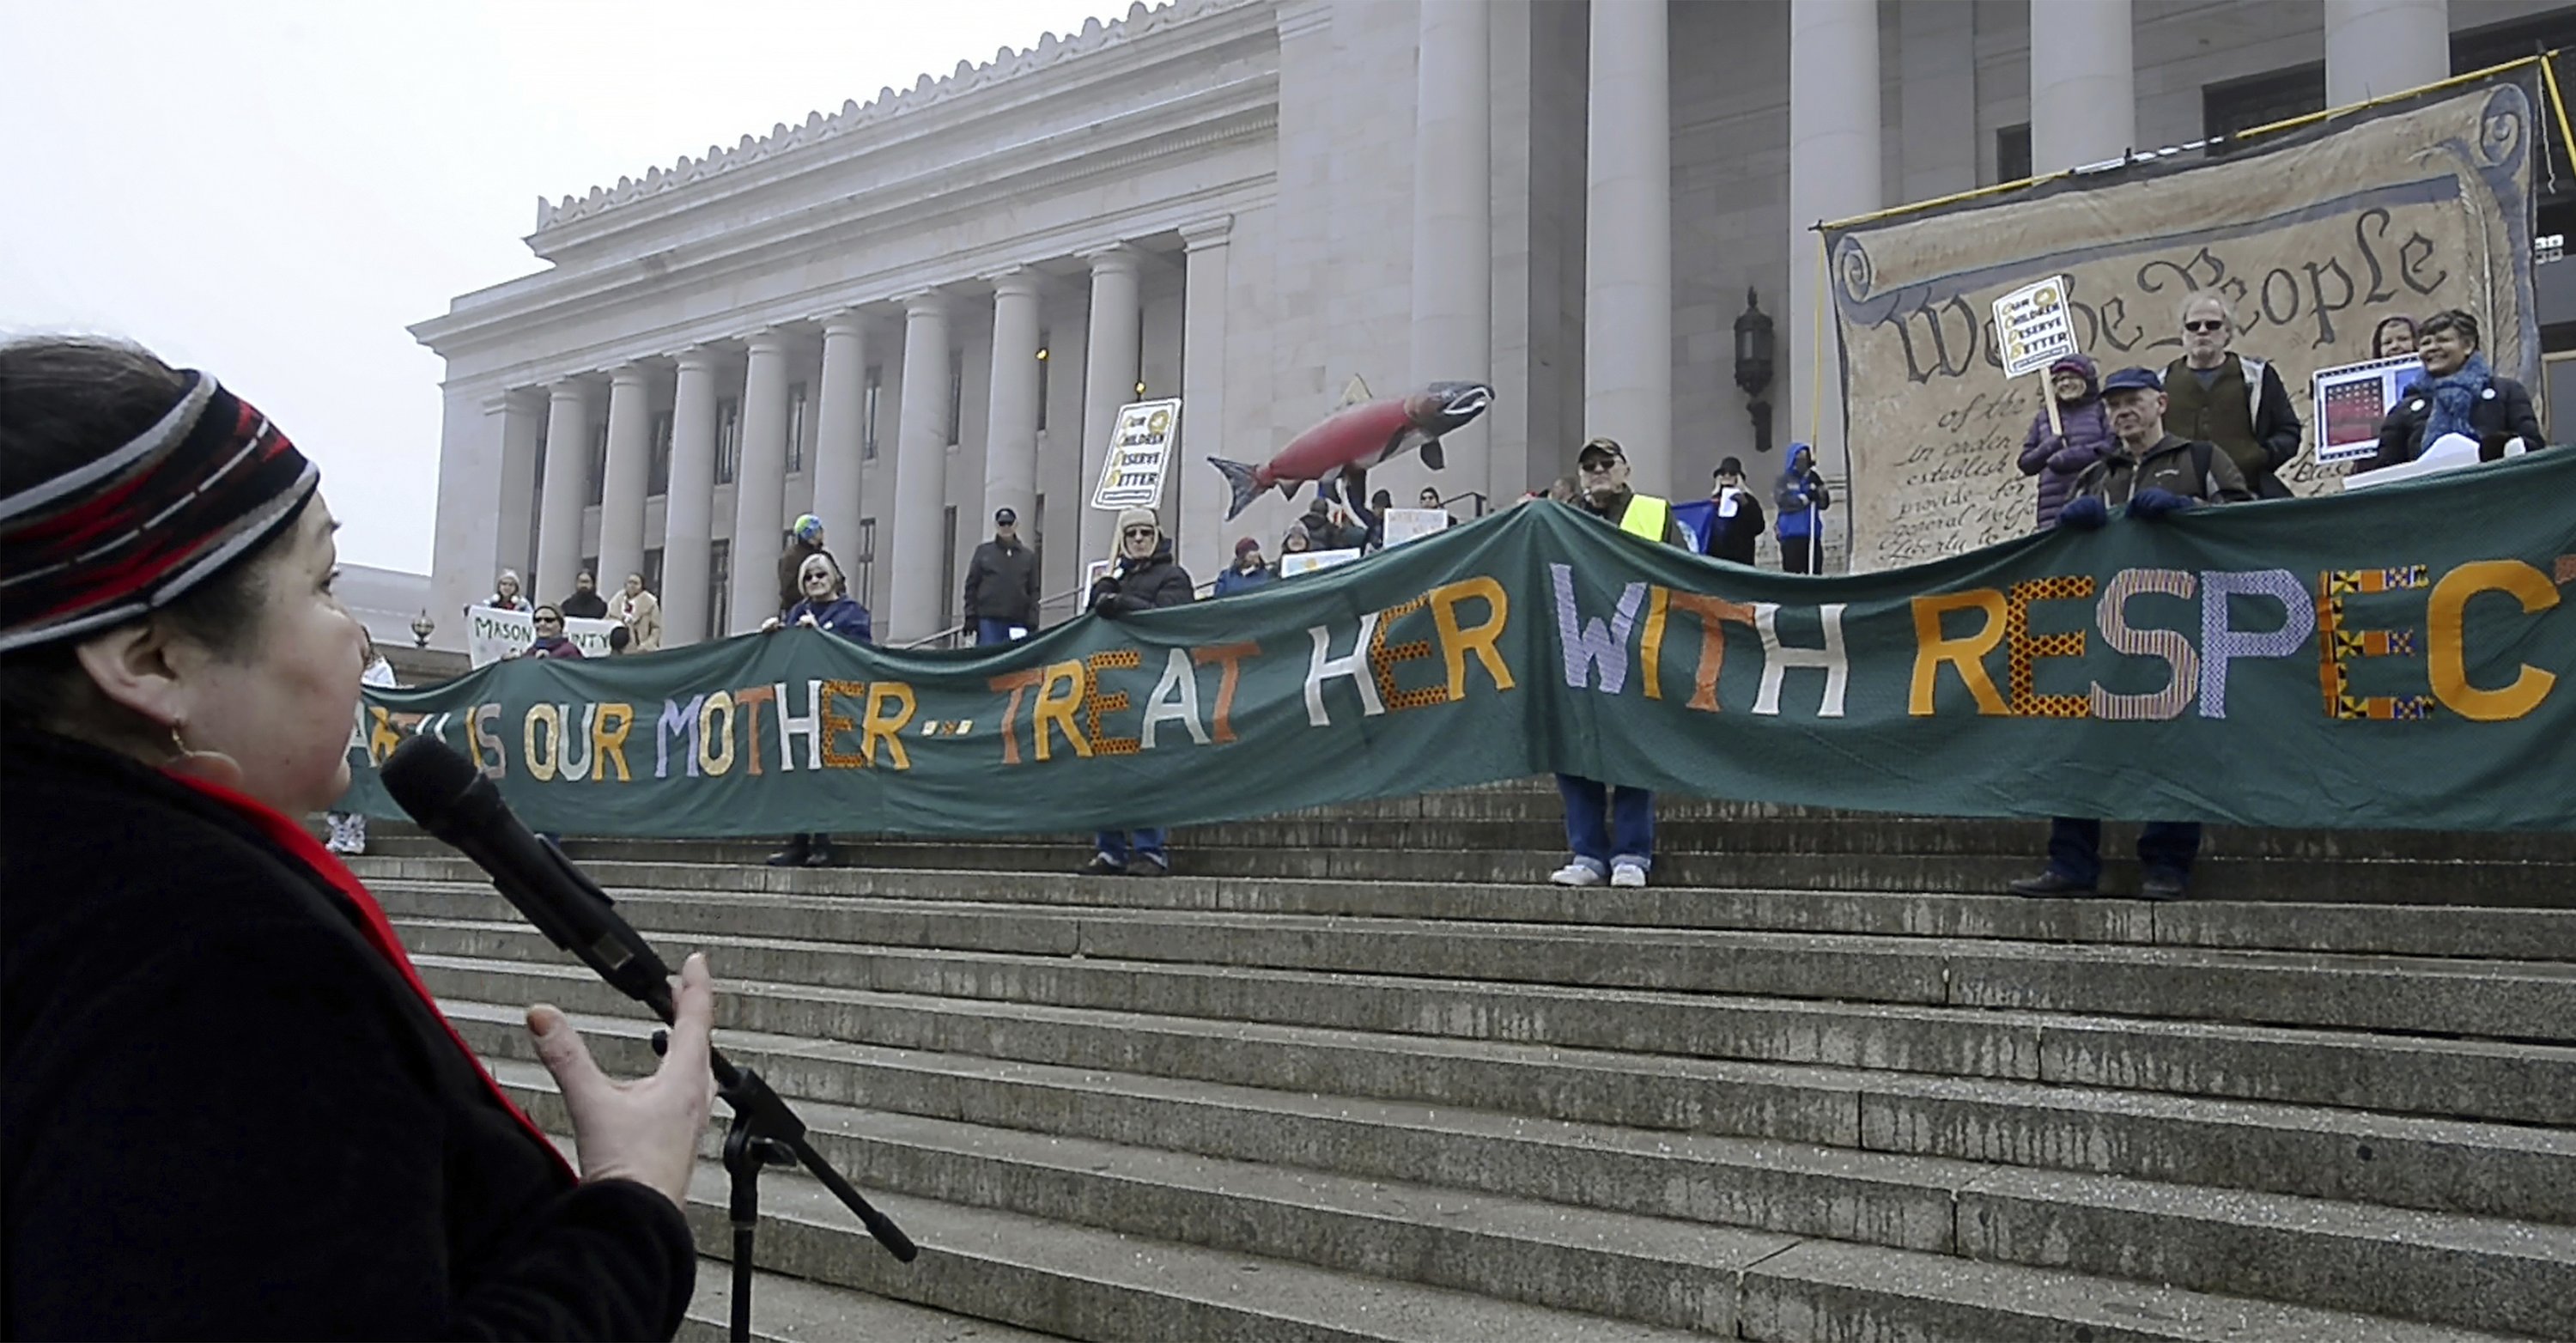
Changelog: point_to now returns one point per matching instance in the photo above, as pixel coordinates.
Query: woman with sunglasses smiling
(228, 1106)
(551, 640)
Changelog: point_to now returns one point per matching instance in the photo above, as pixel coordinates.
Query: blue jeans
(1148, 844)
(991, 633)
(1630, 833)
(2165, 849)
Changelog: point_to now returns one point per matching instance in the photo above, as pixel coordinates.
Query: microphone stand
(765, 1130)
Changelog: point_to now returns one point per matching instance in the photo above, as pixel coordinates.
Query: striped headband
(130, 532)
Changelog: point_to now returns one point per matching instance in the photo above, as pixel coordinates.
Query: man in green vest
(2236, 401)
(1620, 851)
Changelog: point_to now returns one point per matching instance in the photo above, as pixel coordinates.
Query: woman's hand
(646, 1130)
(768, 625)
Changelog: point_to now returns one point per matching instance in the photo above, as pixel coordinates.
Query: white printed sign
(1140, 454)
(2032, 329)
(1307, 561)
(1412, 524)
(492, 634)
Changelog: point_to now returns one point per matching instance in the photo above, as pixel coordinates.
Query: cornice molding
(785, 142)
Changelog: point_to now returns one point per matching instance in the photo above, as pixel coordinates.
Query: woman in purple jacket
(2057, 458)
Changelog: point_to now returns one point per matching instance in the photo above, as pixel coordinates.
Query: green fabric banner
(2396, 658)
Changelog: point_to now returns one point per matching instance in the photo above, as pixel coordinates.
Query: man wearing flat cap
(1002, 584)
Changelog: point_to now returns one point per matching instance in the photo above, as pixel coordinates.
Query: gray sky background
(273, 189)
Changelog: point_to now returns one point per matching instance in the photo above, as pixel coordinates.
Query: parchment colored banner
(2393, 658)
(2315, 240)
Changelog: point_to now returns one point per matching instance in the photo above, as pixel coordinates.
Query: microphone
(452, 798)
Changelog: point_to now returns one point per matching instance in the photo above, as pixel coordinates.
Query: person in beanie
(2215, 395)
(2153, 475)
(1325, 532)
(1002, 584)
(233, 1110)
(1620, 851)
(1735, 524)
(505, 593)
(1143, 577)
(1803, 500)
(804, 539)
(2083, 434)
(1247, 572)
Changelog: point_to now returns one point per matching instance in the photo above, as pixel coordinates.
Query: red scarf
(378, 931)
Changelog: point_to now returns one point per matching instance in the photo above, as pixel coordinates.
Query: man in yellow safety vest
(1612, 830)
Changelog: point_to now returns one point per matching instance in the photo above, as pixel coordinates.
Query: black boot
(821, 853)
(796, 854)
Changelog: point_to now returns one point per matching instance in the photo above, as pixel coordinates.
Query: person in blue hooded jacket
(825, 606)
(1799, 524)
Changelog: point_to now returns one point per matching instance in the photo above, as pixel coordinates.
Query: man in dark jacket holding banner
(2154, 475)
(1143, 577)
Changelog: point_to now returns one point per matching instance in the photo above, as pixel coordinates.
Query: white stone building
(903, 315)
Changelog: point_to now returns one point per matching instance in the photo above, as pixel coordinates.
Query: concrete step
(765, 901)
(2468, 1079)
(2220, 875)
(2441, 1269)
(2395, 1161)
(794, 1310)
(2498, 999)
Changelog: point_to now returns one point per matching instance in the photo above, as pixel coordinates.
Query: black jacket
(584, 606)
(2503, 411)
(1733, 538)
(1131, 586)
(223, 1114)
(1002, 583)
(2202, 472)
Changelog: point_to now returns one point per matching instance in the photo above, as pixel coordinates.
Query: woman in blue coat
(826, 606)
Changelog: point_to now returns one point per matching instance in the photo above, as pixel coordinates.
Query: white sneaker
(1576, 874)
(1627, 874)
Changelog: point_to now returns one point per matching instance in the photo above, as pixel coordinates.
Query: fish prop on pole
(1360, 435)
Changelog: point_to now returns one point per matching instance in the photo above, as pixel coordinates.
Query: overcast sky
(274, 189)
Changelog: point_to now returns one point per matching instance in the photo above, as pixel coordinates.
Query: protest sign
(1408, 524)
(2033, 325)
(2314, 238)
(1308, 561)
(2352, 400)
(1140, 452)
(2336, 663)
(492, 634)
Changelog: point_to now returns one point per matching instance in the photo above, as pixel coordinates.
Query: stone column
(1199, 497)
(1453, 221)
(1011, 426)
(689, 514)
(1628, 239)
(523, 418)
(760, 484)
(839, 467)
(1108, 382)
(2083, 86)
(920, 472)
(2378, 47)
(1833, 174)
(621, 495)
(559, 508)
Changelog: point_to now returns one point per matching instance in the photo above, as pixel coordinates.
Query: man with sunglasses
(1143, 577)
(1612, 829)
(2236, 401)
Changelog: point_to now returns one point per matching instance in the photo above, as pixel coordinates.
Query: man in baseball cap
(1002, 584)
